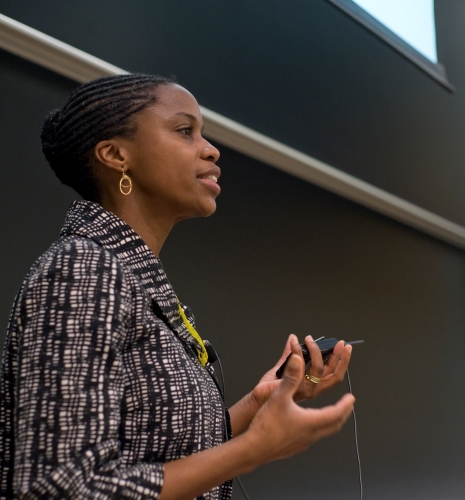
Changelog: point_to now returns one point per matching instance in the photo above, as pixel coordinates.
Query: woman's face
(172, 167)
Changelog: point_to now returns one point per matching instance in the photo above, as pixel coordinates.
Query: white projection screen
(411, 20)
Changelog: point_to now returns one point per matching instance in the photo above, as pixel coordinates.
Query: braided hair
(94, 112)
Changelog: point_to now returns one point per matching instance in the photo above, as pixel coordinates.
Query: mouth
(209, 177)
(210, 181)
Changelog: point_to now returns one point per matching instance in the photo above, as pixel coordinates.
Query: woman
(106, 388)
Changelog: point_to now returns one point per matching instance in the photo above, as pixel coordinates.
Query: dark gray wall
(304, 73)
(280, 255)
(33, 203)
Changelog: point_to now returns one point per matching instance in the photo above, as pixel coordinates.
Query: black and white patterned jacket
(100, 380)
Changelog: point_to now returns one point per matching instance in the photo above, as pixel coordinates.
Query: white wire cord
(356, 442)
(246, 496)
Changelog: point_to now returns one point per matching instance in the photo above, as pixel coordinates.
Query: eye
(186, 131)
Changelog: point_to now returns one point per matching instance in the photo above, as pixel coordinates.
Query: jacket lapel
(90, 220)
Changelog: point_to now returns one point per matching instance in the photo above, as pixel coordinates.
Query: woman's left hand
(330, 374)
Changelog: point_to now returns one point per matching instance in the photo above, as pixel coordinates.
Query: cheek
(153, 166)
(165, 167)
(165, 178)
(177, 168)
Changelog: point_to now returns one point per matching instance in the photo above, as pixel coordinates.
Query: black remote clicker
(326, 347)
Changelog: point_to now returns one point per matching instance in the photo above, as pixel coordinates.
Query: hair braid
(94, 112)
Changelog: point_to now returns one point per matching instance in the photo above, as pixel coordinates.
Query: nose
(210, 153)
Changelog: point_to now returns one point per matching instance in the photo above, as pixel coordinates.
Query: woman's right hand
(282, 428)
(279, 429)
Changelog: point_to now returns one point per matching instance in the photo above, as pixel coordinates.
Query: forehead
(173, 100)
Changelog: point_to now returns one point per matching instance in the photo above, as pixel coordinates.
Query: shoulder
(73, 250)
(80, 263)
(76, 283)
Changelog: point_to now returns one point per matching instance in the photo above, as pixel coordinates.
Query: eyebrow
(188, 115)
(192, 117)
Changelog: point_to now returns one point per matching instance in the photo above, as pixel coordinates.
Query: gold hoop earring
(125, 184)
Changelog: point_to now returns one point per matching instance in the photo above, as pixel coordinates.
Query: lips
(213, 174)
(211, 177)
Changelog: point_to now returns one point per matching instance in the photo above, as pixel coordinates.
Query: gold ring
(313, 379)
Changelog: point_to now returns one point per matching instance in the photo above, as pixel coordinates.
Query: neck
(153, 228)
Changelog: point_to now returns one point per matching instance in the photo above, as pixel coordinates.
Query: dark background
(281, 255)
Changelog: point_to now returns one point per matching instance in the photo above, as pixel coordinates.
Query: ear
(111, 154)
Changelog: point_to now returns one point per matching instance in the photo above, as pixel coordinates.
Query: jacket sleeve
(70, 381)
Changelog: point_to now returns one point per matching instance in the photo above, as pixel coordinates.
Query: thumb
(287, 349)
(292, 376)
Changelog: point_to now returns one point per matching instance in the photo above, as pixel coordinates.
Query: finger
(315, 355)
(337, 367)
(292, 377)
(330, 379)
(287, 349)
(295, 347)
(344, 361)
(330, 419)
(335, 356)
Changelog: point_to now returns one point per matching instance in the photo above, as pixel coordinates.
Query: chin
(209, 212)
(204, 210)
(207, 208)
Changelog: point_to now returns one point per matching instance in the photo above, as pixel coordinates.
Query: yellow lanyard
(201, 354)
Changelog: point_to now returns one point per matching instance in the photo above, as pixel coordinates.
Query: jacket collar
(89, 220)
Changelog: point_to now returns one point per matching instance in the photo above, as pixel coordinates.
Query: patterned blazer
(100, 380)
